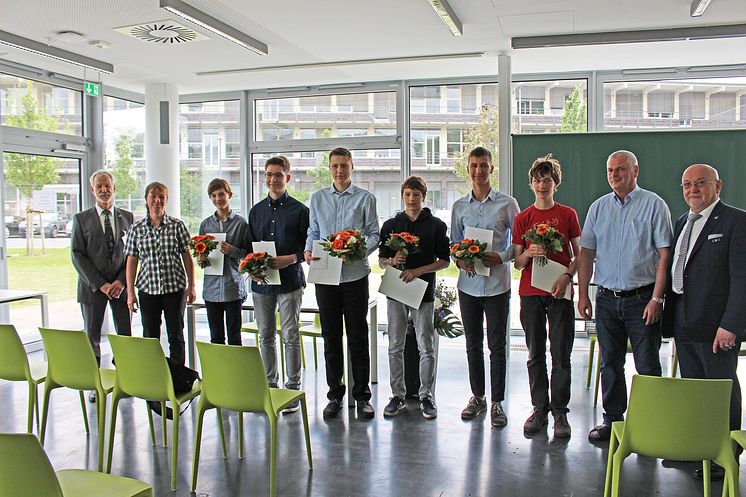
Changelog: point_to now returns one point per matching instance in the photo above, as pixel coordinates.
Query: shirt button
(271, 233)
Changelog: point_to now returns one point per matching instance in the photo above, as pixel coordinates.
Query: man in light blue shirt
(489, 296)
(335, 208)
(628, 234)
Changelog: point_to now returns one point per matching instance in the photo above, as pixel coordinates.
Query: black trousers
(349, 301)
(473, 313)
(222, 316)
(93, 319)
(535, 311)
(171, 305)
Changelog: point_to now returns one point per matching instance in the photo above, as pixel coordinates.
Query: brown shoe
(600, 433)
(561, 426)
(475, 406)
(536, 421)
(498, 418)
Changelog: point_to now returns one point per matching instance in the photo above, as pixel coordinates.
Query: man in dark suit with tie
(705, 307)
(97, 248)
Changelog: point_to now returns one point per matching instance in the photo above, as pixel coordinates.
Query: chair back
(142, 370)
(13, 359)
(26, 469)
(70, 359)
(233, 377)
(678, 419)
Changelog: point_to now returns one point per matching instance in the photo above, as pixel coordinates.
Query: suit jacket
(90, 255)
(714, 278)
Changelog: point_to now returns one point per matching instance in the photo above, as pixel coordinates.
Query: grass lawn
(53, 273)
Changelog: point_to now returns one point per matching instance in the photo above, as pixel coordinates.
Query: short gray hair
(101, 172)
(630, 158)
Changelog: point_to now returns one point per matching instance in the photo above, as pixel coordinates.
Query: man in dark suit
(97, 248)
(706, 292)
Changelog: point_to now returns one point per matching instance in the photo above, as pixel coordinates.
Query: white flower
(438, 304)
(352, 240)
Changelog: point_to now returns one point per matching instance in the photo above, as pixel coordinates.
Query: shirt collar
(350, 189)
(100, 210)
(282, 200)
(630, 196)
(166, 220)
(492, 195)
(231, 215)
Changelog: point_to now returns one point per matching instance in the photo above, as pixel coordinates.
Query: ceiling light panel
(448, 16)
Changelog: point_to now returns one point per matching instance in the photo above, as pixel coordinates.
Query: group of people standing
(687, 282)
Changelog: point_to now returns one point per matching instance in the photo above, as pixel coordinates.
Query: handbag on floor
(183, 379)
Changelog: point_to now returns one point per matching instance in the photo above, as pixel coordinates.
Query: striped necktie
(108, 232)
(678, 269)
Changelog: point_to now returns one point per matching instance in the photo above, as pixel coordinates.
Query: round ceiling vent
(162, 32)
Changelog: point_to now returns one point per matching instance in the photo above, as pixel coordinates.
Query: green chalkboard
(662, 155)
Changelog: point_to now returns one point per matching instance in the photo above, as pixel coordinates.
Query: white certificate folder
(543, 277)
(325, 271)
(216, 257)
(484, 236)
(407, 293)
(273, 275)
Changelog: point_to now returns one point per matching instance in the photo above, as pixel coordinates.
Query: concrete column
(162, 141)
(504, 149)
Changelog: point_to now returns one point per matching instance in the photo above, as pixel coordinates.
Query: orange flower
(409, 238)
(338, 244)
(258, 255)
(454, 249)
(200, 247)
(542, 229)
(474, 249)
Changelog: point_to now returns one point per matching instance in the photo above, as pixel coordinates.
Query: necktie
(108, 232)
(678, 269)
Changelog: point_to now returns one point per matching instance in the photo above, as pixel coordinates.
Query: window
(277, 134)
(455, 143)
(194, 143)
(549, 106)
(124, 147)
(453, 103)
(675, 103)
(425, 100)
(29, 104)
(232, 143)
(531, 107)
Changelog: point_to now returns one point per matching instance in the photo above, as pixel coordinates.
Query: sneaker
(292, 407)
(475, 406)
(429, 409)
(561, 426)
(498, 417)
(332, 408)
(395, 405)
(365, 409)
(536, 421)
(600, 433)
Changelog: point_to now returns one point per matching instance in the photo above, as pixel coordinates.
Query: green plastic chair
(72, 364)
(234, 379)
(699, 431)
(15, 366)
(26, 471)
(313, 331)
(142, 372)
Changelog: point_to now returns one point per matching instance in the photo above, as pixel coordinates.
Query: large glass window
(679, 103)
(29, 104)
(124, 151)
(210, 148)
(549, 106)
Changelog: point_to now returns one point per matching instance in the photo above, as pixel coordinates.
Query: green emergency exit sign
(92, 89)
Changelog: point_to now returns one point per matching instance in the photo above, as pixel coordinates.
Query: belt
(626, 293)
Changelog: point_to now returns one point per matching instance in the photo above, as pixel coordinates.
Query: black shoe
(292, 407)
(332, 408)
(600, 433)
(717, 472)
(92, 397)
(395, 405)
(365, 409)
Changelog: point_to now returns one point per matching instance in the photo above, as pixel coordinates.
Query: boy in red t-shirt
(538, 306)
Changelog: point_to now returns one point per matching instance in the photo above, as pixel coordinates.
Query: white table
(9, 296)
(308, 305)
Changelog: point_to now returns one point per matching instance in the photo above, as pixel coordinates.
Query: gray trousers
(265, 307)
(398, 315)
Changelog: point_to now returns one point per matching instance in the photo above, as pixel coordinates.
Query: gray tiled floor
(404, 456)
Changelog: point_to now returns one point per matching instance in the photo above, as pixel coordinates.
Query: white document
(273, 275)
(327, 270)
(407, 293)
(216, 257)
(484, 236)
(543, 277)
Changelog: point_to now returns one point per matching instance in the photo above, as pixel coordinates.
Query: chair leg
(302, 351)
(150, 422)
(706, 477)
(44, 414)
(31, 406)
(273, 456)
(315, 355)
(163, 423)
(85, 412)
(609, 466)
(240, 435)
(174, 446)
(36, 407)
(283, 374)
(198, 442)
(674, 361)
(305, 429)
(590, 362)
(598, 378)
(221, 430)
(101, 420)
(112, 427)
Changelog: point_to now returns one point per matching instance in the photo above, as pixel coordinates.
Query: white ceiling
(310, 32)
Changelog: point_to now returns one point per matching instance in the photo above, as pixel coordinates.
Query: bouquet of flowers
(255, 264)
(547, 237)
(202, 245)
(469, 251)
(349, 243)
(403, 242)
(446, 323)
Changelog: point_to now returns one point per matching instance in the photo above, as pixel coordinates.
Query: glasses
(274, 175)
(546, 181)
(699, 183)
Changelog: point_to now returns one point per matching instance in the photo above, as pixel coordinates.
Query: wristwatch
(659, 300)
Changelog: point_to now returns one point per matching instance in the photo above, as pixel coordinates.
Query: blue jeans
(619, 319)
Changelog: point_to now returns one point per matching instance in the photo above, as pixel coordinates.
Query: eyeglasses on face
(274, 175)
(699, 183)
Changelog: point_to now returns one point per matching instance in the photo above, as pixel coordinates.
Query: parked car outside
(55, 224)
(11, 225)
